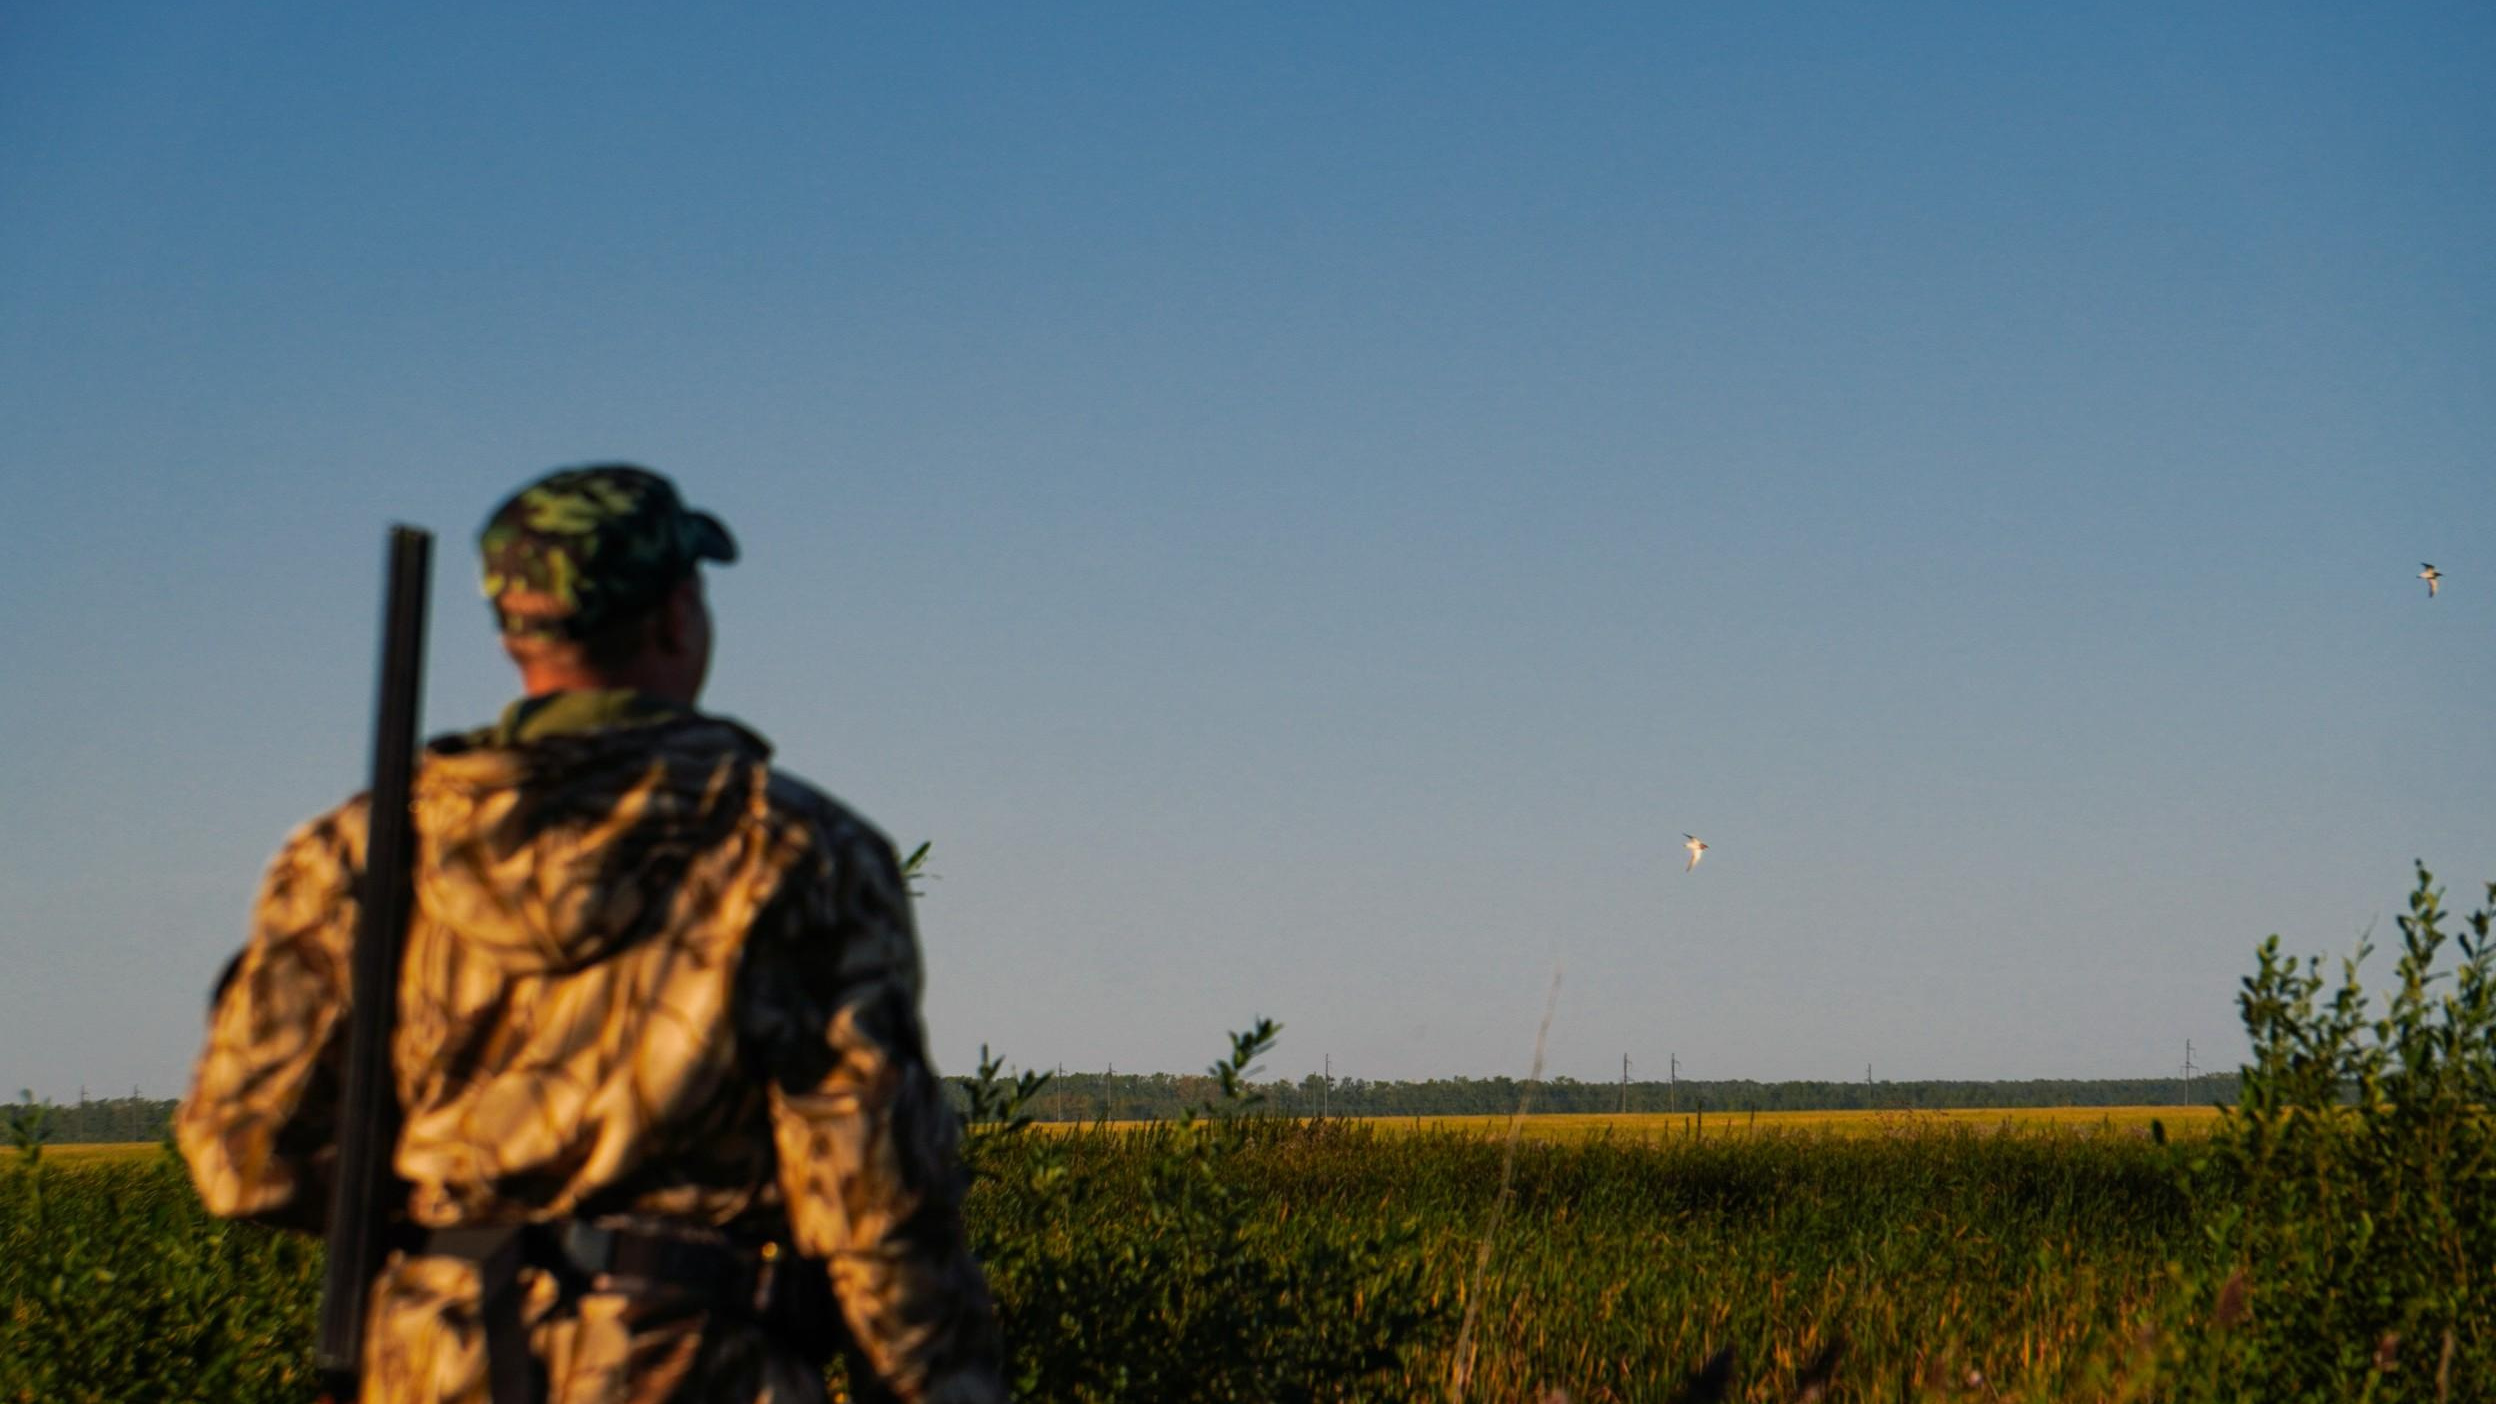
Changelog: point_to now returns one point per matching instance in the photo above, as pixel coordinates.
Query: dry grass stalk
(1460, 1372)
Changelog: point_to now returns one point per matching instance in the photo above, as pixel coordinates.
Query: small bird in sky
(2430, 575)
(1696, 848)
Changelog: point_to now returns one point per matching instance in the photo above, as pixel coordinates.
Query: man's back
(659, 1057)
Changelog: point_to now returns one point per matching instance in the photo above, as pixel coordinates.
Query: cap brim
(711, 541)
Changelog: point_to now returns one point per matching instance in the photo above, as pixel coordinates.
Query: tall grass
(2025, 1259)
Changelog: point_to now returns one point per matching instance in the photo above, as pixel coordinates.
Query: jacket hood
(554, 853)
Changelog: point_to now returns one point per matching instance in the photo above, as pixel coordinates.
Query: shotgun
(366, 1190)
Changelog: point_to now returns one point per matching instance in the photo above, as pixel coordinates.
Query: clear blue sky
(1304, 505)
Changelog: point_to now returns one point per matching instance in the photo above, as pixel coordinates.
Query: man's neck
(571, 711)
(662, 683)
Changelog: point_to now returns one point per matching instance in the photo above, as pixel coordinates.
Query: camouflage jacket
(647, 975)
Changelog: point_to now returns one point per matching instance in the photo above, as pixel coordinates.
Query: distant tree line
(1114, 1096)
(93, 1120)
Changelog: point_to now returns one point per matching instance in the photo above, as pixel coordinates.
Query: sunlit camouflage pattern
(584, 547)
(648, 975)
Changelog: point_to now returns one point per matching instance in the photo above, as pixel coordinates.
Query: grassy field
(1618, 1264)
(2028, 1261)
(1944, 1260)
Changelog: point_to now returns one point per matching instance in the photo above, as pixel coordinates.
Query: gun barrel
(369, 1111)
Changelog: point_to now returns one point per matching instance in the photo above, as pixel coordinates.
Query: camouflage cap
(583, 547)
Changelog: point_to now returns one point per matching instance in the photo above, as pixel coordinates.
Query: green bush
(1144, 1265)
(2349, 1199)
(30, 1125)
(117, 1286)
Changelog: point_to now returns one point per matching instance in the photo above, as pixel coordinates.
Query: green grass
(1332, 1261)
(2026, 1258)
(2030, 1259)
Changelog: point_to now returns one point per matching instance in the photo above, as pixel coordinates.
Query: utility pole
(2189, 1071)
(1624, 1084)
(1672, 1083)
(1109, 1091)
(1326, 1092)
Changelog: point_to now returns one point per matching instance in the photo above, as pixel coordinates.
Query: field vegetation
(2328, 1238)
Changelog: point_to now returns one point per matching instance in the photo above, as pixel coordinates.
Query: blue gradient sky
(1305, 505)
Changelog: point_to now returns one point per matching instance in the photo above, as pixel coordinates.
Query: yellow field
(88, 1154)
(1647, 1126)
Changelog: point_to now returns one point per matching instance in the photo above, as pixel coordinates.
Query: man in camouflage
(658, 1047)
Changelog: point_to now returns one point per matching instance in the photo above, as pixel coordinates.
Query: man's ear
(676, 622)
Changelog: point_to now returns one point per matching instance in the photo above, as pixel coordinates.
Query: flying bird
(2430, 575)
(1696, 848)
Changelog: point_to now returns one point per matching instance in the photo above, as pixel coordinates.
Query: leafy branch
(30, 1125)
